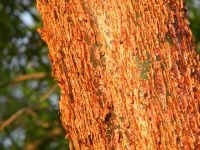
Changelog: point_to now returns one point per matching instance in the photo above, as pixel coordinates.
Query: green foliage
(23, 52)
(194, 18)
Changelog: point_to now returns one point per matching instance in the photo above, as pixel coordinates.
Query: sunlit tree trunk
(128, 73)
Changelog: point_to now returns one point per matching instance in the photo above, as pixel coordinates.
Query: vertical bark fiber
(128, 73)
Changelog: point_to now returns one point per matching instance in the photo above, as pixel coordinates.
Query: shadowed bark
(128, 72)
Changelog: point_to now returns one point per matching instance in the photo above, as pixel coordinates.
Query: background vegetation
(29, 116)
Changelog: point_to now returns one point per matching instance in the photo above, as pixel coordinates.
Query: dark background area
(29, 113)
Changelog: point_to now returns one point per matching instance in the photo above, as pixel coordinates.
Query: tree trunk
(128, 73)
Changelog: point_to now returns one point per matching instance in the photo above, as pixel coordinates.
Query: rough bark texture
(128, 73)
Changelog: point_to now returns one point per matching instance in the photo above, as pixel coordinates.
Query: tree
(128, 73)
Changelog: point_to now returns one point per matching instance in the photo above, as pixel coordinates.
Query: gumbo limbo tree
(128, 72)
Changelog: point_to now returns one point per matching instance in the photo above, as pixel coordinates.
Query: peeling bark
(128, 73)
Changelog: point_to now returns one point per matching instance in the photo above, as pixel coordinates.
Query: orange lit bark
(128, 72)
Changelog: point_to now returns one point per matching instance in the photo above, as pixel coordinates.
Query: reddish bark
(127, 70)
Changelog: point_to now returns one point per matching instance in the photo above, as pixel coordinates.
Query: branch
(28, 77)
(27, 109)
(49, 92)
(13, 118)
(37, 144)
(24, 78)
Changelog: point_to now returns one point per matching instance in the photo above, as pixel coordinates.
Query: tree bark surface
(128, 73)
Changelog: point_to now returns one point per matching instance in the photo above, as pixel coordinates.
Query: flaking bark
(128, 72)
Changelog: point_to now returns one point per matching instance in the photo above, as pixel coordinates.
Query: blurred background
(29, 113)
